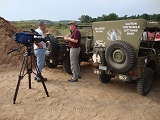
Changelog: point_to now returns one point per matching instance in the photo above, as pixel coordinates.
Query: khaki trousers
(74, 61)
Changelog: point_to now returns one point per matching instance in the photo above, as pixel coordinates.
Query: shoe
(71, 80)
(79, 77)
(40, 79)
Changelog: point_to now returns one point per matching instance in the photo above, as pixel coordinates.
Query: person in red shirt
(74, 44)
(157, 36)
(151, 36)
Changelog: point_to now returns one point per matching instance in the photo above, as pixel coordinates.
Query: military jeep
(57, 50)
(124, 49)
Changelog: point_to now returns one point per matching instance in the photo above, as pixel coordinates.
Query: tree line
(114, 16)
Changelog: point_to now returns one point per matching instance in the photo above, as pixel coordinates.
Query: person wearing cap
(39, 50)
(74, 44)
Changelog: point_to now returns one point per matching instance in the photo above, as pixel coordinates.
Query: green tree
(112, 16)
(94, 19)
(85, 19)
(99, 18)
(133, 17)
(145, 16)
(125, 17)
(104, 17)
(155, 17)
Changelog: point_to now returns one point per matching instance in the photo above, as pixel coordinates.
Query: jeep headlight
(145, 60)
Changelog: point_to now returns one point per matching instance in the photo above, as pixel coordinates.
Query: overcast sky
(56, 10)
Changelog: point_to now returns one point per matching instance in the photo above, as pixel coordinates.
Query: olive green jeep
(123, 48)
(57, 49)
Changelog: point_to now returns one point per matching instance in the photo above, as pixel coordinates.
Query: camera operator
(39, 50)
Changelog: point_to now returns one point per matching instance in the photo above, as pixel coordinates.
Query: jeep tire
(51, 63)
(120, 56)
(104, 78)
(145, 82)
(67, 66)
(51, 46)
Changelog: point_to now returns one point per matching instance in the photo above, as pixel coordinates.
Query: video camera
(27, 38)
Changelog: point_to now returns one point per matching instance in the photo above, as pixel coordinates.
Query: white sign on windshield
(130, 28)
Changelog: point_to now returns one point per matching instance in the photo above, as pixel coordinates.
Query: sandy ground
(87, 99)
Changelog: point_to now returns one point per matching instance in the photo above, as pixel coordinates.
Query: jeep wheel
(120, 56)
(51, 46)
(66, 65)
(104, 78)
(51, 63)
(145, 82)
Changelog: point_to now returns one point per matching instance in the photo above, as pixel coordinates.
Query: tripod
(28, 58)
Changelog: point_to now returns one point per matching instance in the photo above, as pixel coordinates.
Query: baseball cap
(72, 22)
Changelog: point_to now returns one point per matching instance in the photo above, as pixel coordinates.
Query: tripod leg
(29, 70)
(44, 86)
(17, 88)
(29, 79)
(20, 77)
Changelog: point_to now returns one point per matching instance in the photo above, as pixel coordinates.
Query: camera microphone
(33, 31)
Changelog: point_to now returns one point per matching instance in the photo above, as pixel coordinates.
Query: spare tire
(120, 56)
(51, 46)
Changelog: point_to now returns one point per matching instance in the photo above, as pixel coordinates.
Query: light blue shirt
(42, 36)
